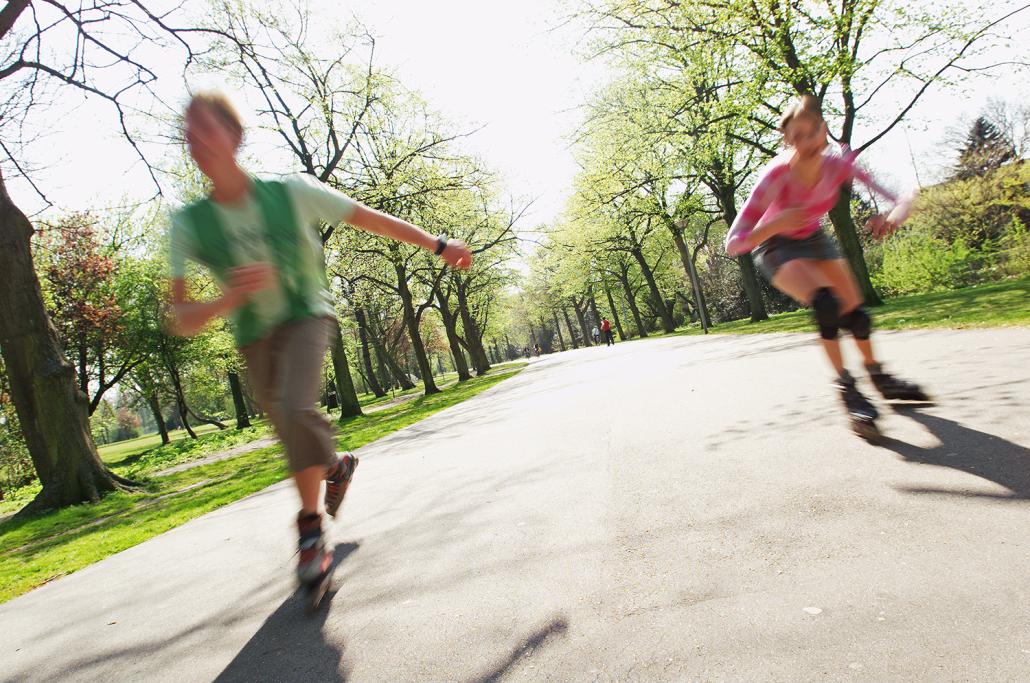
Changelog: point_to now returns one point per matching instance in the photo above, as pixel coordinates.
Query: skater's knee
(826, 310)
(858, 323)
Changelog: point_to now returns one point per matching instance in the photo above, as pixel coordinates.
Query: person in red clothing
(606, 331)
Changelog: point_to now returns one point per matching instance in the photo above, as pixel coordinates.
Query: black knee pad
(858, 322)
(826, 310)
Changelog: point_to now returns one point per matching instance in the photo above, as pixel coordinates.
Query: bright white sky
(503, 66)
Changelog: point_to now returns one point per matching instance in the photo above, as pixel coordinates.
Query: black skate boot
(894, 389)
(337, 479)
(861, 412)
(314, 570)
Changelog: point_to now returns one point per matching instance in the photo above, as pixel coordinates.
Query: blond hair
(806, 105)
(219, 105)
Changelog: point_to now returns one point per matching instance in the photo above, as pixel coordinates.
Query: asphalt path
(675, 509)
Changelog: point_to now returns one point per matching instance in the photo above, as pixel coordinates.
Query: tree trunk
(411, 323)
(615, 312)
(208, 420)
(366, 355)
(582, 318)
(631, 301)
(180, 401)
(546, 339)
(83, 369)
(593, 308)
(473, 335)
(752, 288)
(700, 290)
(155, 408)
(242, 420)
(387, 360)
(748, 275)
(668, 324)
(450, 325)
(568, 326)
(847, 235)
(400, 376)
(345, 392)
(695, 284)
(50, 407)
(557, 326)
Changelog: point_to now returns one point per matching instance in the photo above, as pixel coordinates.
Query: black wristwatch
(441, 243)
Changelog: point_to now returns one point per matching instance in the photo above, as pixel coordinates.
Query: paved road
(678, 509)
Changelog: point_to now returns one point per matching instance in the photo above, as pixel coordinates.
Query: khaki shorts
(285, 369)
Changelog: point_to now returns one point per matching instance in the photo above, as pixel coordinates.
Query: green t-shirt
(313, 203)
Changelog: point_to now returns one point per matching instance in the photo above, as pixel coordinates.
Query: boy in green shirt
(258, 238)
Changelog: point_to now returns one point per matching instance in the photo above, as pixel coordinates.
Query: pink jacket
(778, 190)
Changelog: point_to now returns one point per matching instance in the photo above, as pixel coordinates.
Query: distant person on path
(606, 329)
(780, 224)
(259, 240)
(596, 334)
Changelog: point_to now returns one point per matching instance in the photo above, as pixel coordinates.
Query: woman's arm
(890, 220)
(741, 237)
(862, 176)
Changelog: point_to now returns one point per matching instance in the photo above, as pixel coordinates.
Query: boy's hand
(245, 280)
(457, 255)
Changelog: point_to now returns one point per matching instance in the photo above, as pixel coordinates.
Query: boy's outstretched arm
(455, 253)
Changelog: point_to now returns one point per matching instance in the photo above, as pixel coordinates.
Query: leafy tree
(852, 55)
(986, 149)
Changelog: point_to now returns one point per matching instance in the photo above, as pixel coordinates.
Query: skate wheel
(867, 430)
(315, 593)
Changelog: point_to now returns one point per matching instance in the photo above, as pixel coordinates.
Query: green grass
(119, 450)
(36, 550)
(994, 305)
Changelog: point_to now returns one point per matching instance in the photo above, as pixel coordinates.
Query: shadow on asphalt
(967, 450)
(558, 626)
(291, 644)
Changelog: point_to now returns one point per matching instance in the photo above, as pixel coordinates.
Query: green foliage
(963, 232)
(15, 463)
(1015, 250)
(917, 261)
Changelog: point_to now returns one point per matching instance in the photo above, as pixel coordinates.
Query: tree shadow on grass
(967, 450)
(291, 644)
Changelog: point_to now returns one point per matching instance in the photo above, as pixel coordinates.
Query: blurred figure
(606, 330)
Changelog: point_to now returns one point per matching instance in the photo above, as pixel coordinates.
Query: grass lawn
(36, 550)
(114, 452)
(993, 305)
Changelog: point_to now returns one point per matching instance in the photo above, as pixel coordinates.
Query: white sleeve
(180, 246)
(315, 201)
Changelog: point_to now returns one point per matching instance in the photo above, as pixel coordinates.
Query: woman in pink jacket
(781, 225)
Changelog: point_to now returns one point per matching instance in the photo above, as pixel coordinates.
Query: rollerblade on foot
(314, 569)
(894, 389)
(861, 413)
(337, 479)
